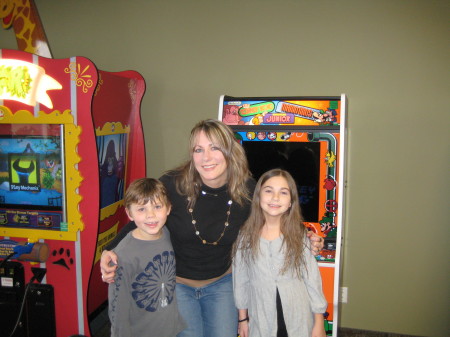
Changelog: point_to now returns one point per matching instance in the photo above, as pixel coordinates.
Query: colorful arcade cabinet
(306, 137)
(71, 141)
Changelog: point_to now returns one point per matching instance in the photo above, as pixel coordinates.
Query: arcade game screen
(300, 159)
(31, 176)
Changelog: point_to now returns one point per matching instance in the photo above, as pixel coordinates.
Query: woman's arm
(108, 261)
(316, 242)
(313, 282)
(122, 233)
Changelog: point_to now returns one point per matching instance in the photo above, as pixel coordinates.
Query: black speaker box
(41, 311)
(12, 282)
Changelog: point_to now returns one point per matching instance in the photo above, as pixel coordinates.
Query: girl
(276, 280)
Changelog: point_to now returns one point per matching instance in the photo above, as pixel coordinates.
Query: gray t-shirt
(142, 299)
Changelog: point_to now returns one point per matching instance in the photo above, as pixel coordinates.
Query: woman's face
(209, 161)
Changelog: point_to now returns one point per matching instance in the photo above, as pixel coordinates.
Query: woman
(211, 196)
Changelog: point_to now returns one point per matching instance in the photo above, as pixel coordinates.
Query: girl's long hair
(188, 180)
(291, 226)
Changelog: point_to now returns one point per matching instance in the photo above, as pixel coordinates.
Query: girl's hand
(316, 242)
(108, 266)
(243, 322)
(318, 332)
(243, 329)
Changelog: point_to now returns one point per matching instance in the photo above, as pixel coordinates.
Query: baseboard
(350, 332)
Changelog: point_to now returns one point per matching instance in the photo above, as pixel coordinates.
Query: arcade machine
(306, 137)
(71, 141)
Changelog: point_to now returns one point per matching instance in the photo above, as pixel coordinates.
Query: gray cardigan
(255, 287)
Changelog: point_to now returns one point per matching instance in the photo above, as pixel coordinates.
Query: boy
(142, 299)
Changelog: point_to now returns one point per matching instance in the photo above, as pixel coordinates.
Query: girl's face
(275, 197)
(210, 162)
(149, 218)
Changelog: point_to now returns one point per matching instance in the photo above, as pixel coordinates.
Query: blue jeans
(208, 311)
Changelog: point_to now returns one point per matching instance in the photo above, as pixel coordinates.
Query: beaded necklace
(226, 224)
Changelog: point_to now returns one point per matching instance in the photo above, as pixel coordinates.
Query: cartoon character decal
(261, 135)
(327, 226)
(230, 114)
(330, 158)
(325, 118)
(272, 135)
(251, 135)
(329, 230)
(257, 120)
(329, 183)
(286, 136)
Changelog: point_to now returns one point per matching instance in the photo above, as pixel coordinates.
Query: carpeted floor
(100, 327)
(348, 332)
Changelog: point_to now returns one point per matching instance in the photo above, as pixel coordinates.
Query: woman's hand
(316, 242)
(108, 266)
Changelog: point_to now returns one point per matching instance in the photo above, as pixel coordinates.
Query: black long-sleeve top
(195, 260)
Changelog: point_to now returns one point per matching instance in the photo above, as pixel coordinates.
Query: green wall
(391, 57)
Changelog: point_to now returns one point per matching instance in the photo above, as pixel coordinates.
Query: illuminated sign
(279, 119)
(26, 83)
(256, 109)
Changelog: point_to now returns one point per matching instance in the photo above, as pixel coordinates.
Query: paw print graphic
(64, 257)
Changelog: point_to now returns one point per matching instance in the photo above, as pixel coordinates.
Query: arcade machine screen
(32, 176)
(300, 159)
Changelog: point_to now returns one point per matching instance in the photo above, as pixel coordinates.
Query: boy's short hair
(143, 190)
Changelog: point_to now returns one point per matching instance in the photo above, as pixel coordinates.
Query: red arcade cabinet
(71, 141)
(306, 137)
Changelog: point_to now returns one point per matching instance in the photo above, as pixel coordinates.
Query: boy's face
(149, 219)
